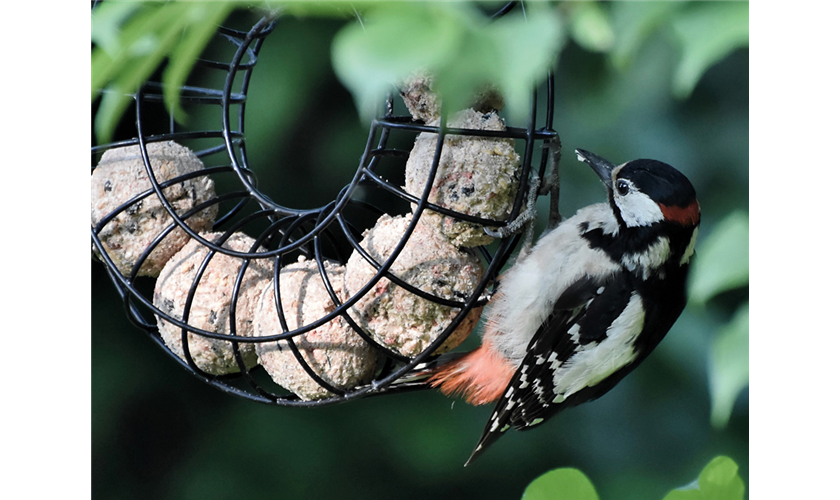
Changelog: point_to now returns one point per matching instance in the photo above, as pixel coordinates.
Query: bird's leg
(525, 220)
(526, 217)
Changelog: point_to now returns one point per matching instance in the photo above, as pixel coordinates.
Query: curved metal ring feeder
(329, 232)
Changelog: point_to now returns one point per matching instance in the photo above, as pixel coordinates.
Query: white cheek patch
(638, 210)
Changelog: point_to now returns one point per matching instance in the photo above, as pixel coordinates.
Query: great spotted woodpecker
(586, 305)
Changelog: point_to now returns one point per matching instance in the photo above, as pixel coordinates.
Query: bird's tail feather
(480, 376)
(421, 373)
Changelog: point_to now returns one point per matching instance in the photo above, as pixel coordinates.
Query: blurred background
(158, 432)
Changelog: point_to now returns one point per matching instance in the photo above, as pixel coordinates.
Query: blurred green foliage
(159, 433)
(561, 484)
(708, 32)
(133, 38)
(722, 265)
(729, 362)
(718, 480)
(453, 41)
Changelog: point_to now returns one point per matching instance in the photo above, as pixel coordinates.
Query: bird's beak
(601, 166)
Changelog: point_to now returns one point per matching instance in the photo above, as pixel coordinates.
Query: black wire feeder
(328, 232)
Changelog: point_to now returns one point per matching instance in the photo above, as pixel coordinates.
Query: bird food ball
(333, 350)
(477, 176)
(396, 317)
(120, 176)
(422, 102)
(211, 304)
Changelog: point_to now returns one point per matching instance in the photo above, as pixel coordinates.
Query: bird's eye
(622, 187)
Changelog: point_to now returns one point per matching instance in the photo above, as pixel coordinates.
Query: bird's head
(645, 192)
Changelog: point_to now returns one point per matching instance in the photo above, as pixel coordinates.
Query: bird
(588, 303)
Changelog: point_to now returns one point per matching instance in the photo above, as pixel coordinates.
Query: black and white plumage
(587, 304)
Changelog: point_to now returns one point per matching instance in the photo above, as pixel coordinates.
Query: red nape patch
(687, 216)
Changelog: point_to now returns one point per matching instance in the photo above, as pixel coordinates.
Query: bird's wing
(581, 315)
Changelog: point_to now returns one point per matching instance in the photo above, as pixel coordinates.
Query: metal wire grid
(329, 232)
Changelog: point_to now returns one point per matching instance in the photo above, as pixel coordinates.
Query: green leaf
(145, 40)
(527, 49)
(106, 22)
(394, 40)
(722, 261)
(590, 28)
(561, 484)
(634, 22)
(135, 42)
(118, 97)
(153, 48)
(708, 31)
(108, 60)
(201, 21)
(729, 366)
(452, 40)
(719, 480)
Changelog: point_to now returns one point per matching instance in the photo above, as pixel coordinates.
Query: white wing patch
(591, 363)
(574, 332)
